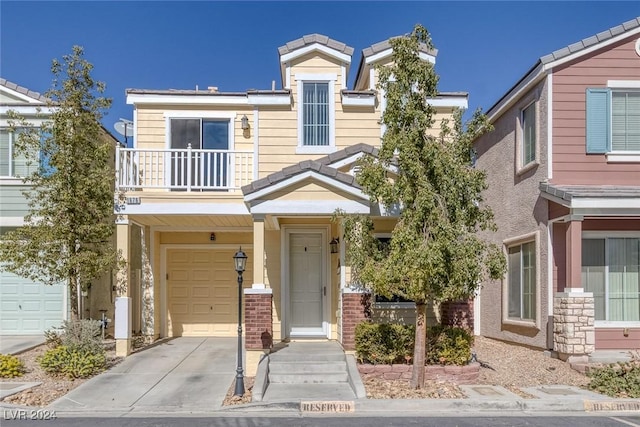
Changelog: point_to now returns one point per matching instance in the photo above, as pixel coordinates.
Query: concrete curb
(262, 380)
(354, 378)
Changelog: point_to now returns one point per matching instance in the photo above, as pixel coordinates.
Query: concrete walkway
(176, 376)
(15, 344)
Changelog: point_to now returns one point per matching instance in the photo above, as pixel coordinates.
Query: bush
(392, 343)
(72, 362)
(616, 380)
(10, 366)
(82, 334)
(448, 346)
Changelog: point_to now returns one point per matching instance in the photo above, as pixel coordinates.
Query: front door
(307, 287)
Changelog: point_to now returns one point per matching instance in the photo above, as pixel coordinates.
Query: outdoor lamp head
(244, 122)
(240, 259)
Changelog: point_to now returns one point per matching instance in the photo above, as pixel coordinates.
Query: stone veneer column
(573, 331)
(356, 308)
(457, 313)
(258, 326)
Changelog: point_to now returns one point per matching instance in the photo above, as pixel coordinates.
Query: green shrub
(10, 366)
(616, 380)
(381, 343)
(448, 346)
(72, 362)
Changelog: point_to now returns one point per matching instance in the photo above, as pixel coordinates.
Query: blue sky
(484, 47)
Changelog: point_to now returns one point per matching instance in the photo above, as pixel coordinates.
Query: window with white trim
(209, 140)
(315, 114)
(528, 134)
(613, 120)
(521, 280)
(13, 164)
(610, 270)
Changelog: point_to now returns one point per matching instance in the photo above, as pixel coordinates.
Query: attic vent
(355, 170)
(213, 89)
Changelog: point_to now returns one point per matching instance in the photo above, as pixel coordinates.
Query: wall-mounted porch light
(244, 122)
(334, 245)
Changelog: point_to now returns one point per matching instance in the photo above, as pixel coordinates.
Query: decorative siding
(12, 202)
(615, 339)
(571, 164)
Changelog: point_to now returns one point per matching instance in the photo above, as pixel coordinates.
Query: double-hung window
(208, 160)
(316, 113)
(528, 139)
(13, 164)
(610, 269)
(613, 120)
(521, 290)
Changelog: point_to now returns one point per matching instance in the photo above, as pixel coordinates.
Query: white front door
(306, 284)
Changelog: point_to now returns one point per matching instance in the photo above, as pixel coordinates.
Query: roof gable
(11, 93)
(545, 64)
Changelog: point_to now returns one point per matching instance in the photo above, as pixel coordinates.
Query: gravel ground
(511, 366)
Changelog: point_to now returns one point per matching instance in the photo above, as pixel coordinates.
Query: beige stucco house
(564, 183)
(265, 170)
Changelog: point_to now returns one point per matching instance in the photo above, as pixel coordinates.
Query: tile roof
(320, 166)
(570, 50)
(310, 39)
(385, 45)
(569, 192)
(590, 41)
(23, 90)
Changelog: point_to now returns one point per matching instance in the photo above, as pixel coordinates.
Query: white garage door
(203, 291)
(27, 307)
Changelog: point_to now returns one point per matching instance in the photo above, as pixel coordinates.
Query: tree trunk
(73, 296)
(419, 350)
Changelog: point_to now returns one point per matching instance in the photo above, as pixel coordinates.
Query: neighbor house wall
(571, 164)
(519, 210)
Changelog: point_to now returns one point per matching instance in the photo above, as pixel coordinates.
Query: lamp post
(240, 259)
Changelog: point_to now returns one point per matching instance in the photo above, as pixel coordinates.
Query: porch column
(573, 247)
(258, 252)
(122, 321)
(258, 324)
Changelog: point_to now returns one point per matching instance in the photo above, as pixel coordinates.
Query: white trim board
(315, 47)
(176, 208)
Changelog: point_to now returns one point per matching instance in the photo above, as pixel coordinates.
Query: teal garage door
(27, 307)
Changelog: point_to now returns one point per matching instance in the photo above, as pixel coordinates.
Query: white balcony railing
(182, 169)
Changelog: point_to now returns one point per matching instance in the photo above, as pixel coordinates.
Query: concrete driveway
(15, 344)
(184, 374)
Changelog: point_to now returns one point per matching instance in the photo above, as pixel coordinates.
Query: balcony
(183, 169)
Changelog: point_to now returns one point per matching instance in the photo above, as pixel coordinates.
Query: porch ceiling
(195, 221)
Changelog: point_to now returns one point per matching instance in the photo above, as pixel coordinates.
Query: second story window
(209, 161)
(613, 120)
(315, 115)
(625, 121)
(316, 107)
(528, 147)
(13, 164)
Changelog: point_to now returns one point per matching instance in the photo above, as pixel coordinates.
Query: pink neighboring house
(563, 167)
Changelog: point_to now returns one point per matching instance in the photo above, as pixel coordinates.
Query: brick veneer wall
(467, 374)
(573, 330)
(457, 313)
(258, 321)
(356, 308)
